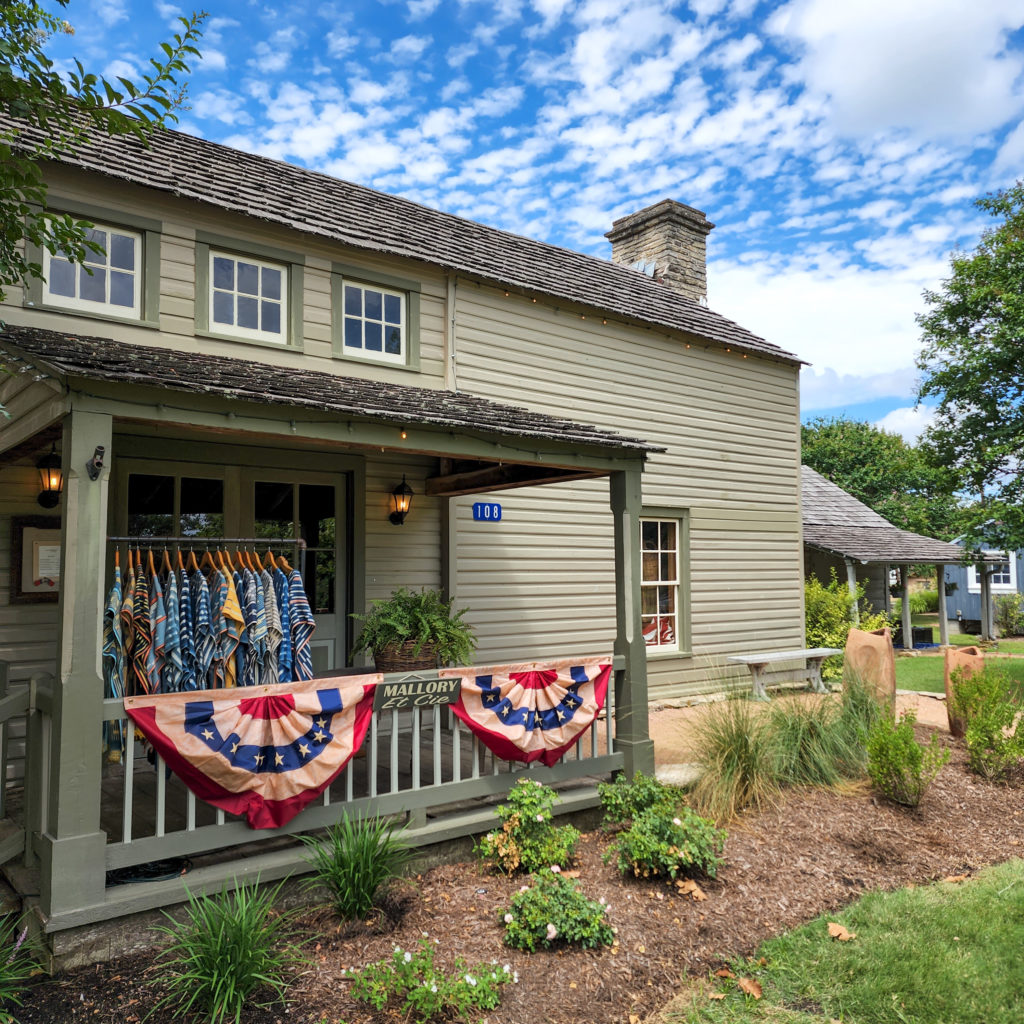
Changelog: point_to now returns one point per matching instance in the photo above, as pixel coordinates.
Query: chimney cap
(666, 209)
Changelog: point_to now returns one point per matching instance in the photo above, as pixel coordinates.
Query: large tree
(973, 363)
(58, 112)
(883, 471)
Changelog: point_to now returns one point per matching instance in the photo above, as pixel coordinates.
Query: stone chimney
(667, 242)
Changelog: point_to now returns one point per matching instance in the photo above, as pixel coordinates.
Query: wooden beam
(35, 445)
(499, 478)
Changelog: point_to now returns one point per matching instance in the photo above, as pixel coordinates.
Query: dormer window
(374, 323)
(248, 297)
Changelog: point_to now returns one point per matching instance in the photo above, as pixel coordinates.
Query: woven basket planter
(400, 657)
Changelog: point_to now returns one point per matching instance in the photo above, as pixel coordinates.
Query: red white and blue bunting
(533, 711)
(265, 752)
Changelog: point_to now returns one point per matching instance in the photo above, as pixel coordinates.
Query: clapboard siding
(541, 581)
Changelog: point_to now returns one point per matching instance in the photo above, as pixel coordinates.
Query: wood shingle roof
(835, 521)
(317, 204)
(74, 355)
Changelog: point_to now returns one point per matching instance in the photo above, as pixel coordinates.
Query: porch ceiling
(450, 424)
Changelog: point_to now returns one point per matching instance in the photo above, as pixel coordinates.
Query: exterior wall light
(51, 479)
(401, 498)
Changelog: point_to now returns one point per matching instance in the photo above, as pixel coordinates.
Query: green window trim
(151, 232)
(684, 598)
(293, 262)
(342, 272)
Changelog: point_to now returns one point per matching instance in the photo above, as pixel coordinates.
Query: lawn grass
(942, 954)
(925, 672)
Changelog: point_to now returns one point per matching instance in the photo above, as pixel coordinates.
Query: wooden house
(259, 350)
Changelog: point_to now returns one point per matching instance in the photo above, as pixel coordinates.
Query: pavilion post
(985, 578)
(908, 629)
(851, 582)
(940, 576)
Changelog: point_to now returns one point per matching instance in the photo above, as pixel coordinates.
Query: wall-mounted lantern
(401, 499)
(51, 479)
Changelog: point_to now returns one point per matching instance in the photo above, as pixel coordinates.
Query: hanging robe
(186, 635)
(202, 629)
(142, 636)
(158, 633)
(271, 674)
(173, 668)
(302, 625)
(113, 669)
(284, 654)
(234, 626)
(127, 616)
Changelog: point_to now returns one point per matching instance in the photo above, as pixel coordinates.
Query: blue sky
(836, 144)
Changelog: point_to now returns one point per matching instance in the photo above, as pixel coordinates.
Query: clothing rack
(187, 542)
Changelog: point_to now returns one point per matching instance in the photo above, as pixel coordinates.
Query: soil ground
(814, 852)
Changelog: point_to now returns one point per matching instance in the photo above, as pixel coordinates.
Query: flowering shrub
(623, 799)
(554, 910)
(661, 843)
(527, 841)
(423, 992)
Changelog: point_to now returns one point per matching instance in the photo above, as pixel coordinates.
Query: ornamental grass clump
(554, 911)
(661, 843)
(623, 798)
(901, 768)
(355, 858)
(527, 841)
(17, 965)
(231, 951)
(411, 983)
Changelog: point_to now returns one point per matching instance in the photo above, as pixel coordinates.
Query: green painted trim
(340, 272)
(294, 264)
(180, 408)
(152, 234)
(244, 247)
(356, 511)
(682, 515)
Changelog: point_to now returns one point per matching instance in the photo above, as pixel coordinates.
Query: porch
(70, 818)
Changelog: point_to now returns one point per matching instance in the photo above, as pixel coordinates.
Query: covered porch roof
(484, 446)
(834, 521)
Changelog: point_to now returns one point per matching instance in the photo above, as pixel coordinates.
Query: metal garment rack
(297, 543)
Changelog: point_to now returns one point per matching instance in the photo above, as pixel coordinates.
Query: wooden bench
(812, 657)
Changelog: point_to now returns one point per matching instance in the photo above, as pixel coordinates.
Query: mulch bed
(814, 853)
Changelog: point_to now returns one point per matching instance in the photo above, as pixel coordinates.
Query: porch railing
(421, 763)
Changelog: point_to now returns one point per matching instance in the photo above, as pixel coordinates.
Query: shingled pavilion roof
(74, 355)
(836, 522)
(319, 205)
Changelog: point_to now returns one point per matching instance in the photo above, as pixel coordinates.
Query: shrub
(357, 857)
(659, 843)
(734, 750)
(16, 966)
(623, 799)
(228, 948)
(900, 767)
(527, 841)
(553, 910)
(985, 702)
(423, 991)
(1009, 614)
(828, 616)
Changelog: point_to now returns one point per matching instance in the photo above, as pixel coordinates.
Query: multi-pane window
(248, 297)
(659, 587)
(1003, 576)
(374, 323)
(108, 280)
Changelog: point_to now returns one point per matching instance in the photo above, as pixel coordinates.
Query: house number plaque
(486, 511)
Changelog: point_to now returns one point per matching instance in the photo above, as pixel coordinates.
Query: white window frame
(974, 579)
(249, 333)
(675, 643)
(97, 262)
(399, 358)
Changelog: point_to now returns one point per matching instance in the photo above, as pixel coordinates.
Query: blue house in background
(964, 603)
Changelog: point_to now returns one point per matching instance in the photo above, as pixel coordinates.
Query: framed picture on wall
(35, 559)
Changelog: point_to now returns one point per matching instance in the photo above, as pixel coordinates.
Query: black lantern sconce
(51, 479)
(401, 499)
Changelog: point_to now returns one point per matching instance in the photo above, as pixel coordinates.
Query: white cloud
(940, 67)
(340, 42)
(212, 60)
(275, 54)
(1010, 158)
(419, 9)
(110, 12)
(909, 421)
(410, 48)
(120, 68)
(825, 389)
(221, 105)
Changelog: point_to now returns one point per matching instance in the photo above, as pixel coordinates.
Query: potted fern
(411, 630)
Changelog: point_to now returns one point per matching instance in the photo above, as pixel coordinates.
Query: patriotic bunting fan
(262, 751)
(532, 712)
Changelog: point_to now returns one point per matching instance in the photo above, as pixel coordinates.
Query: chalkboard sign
(486, 511)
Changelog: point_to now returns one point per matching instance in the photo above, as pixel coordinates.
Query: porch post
(940, 576)
(73, 847)
(985, 578)
(908, 630)
(631, 728)
(851, 583)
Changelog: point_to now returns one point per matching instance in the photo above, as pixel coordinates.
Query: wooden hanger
(207, 559)
(165, 565)
(117, 559)
(181, 562)
(192, 563)
(269, 562)
(150, 564)
(282, 564)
